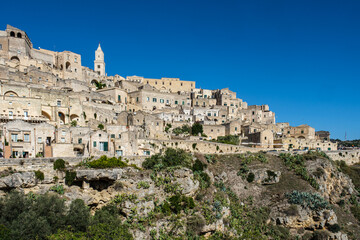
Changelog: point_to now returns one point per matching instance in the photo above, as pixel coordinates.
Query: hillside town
(53, 106)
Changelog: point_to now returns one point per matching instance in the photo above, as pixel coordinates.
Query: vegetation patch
(308, 200)
(171, 158)
(59, 164)
(39, 175)
(297, 164)
(106, 162)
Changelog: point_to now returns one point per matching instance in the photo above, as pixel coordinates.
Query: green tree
(73, 123)
(101, 126)
(196, 129)
(78, 216)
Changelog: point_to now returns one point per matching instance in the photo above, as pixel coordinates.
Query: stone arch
(19, 35)
(11, 94)
(74, 117)
(12, 34)
(67, 66)
(94, 82)
(301, 137)
(15, 59)
(45, 114)
(62, 117)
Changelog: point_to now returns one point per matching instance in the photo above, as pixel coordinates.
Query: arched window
(67, 66)
(19, 35)
(12, 34)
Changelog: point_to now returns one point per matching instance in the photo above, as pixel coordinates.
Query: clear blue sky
(300, 57)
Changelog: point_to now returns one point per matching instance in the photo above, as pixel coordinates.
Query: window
(112, 135)
(176, 102)
(80, 141)
(161, 100)
(94, 144)
(209, 114)
(181, 84)
(30, 79)
(14, 137)
(302, 131)
(253, 113)
(63, 133)
(10, 113)
(119, 98)
(154, 99)
(26, 137)
(58, 103)
(183, 102)
(119, 153)
(119, 135)
(39, 140)
(148, 99)
(235, 128)
(104, 146)
(98, 66)
(75, 60)
(137, 99)
(62, 140)
(0, 46)
(26, 113)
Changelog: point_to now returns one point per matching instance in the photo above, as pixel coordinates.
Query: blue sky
(300, 57)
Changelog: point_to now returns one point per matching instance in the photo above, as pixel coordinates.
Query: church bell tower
(99, 63)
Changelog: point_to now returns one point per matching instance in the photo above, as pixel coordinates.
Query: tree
(101, 126)
(78, 216)
(196, 129)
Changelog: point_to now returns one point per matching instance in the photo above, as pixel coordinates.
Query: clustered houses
(52, 106)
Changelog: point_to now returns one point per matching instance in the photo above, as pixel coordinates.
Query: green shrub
(59, 164)
(194, 145)
(58, 189)
(195, 224)
(198, 166)
(311, 200)
(78, 216)
(177, 203)
(196, 128)
(334, 228)
(355, 210)
(70, 177)
(101, 126)
(39, 175)
(203, 179)
(143, 184)
(171, 158)
(105, 162)
(250, 178)
(229, 139)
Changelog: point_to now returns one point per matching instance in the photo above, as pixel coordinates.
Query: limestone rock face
(96, 174)
(333, 184)
(184, 177)
(266, 176)
(18, 180)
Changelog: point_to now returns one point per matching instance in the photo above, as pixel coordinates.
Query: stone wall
(351, 157)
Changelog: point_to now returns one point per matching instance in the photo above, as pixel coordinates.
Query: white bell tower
(99, 64)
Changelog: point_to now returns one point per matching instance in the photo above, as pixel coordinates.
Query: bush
(198, 166)
(171, 158)
(177, 203)
(105, 162)
(334, 228)
(39, 175)
(250, 178)
(311, 200)
(229, 139)
(143, 184)
(101, 126)
(196, 129)
(78, 216)
(59, 164)
(70, 177)
(58, 189)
